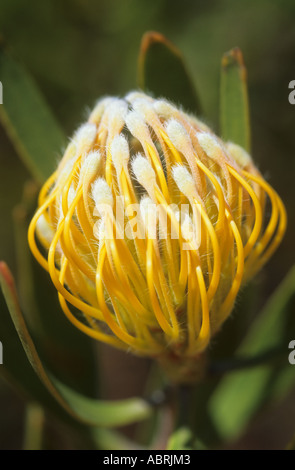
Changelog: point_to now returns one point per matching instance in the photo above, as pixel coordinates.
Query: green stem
(184, 414)
(184, 395)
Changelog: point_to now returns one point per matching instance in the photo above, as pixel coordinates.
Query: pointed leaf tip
(162, 71)
(234, 105)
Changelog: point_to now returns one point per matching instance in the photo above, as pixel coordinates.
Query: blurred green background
(79, 50)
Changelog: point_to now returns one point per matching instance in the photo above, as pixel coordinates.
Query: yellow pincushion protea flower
(149, 227)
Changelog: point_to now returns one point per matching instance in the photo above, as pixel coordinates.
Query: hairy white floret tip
(136, 125)
(117, 111)
(84, 137)
(209, 144)
(143, 107)
(102, 193)
(99, 108)
(184, 180)
(239, 154)
(177, 134)
(90, 165)
(93, 159)
(120, 152)
(164, 108)
(143, 171)
(135, 95)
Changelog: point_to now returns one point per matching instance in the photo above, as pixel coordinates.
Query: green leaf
(102, 412)
(67, 352)
(234, 106)
(28, 120)
(162, 72)
(16, 368)
(86, 410)
(241, 394)
(179, 439)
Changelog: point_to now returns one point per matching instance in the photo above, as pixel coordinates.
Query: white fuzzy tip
(209, 144)
(178, 135)
(93, 160)
(102, 193)
(184, 180)
(116, 112)
(144, 107)
(135, 95)
(164, 109)
(90, 166)
(120, 152)
(99, 108)
(240, 155)
(137, 126)
(84, 138)
(144, 172)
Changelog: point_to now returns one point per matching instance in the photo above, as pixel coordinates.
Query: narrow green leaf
(68, 353)
(86, 410)
(16, 368)
(28, 120)
(102, 412)
(234, 106)
(242, 393)
(162, 72)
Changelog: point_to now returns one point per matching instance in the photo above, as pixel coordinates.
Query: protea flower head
(149, 227)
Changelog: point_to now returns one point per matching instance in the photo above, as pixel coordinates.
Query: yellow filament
(92, 331)
(278, 210)
(75, 301)
(258, 213)
(228, 303)
(216, 251)
(159, 170)
(204, 334)
(109, 318)
(31, 232)
(67, 241)
(153, 295)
